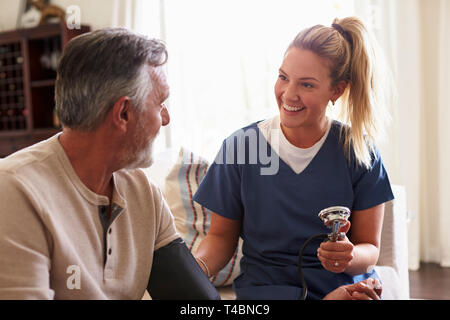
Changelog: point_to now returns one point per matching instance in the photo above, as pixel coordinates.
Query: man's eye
(307, 85)
(282, 77)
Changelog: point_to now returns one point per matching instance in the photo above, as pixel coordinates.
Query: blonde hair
(356, 58)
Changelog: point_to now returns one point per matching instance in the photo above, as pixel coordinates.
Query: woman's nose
(291, 94)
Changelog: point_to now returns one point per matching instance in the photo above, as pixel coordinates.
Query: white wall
(96, 13)
(8, 14)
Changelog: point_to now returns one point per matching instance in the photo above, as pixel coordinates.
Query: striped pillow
(191, 219)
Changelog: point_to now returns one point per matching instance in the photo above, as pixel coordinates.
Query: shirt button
(108, 273)
(109, 251)
(110, 230)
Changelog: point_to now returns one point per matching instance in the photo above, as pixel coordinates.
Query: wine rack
(28, 61)
(12, 98)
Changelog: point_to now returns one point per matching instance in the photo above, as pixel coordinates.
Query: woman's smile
(291, 110)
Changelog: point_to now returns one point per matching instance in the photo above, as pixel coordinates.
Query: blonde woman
(322, 163)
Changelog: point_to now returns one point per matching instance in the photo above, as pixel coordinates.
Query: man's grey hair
(99, 67)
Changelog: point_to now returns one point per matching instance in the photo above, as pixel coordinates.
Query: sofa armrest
(394, 241)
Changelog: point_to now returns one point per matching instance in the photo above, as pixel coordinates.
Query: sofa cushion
(191, 219)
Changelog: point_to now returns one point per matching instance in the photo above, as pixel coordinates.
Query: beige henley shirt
(54, 243)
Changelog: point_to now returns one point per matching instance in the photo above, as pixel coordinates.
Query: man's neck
(88, 154)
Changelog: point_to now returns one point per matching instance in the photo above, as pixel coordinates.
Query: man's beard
(142, 158)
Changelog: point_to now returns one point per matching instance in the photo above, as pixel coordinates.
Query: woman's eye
(308, 85)
(282, 77)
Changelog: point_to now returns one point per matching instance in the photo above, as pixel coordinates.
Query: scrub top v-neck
(296, 158)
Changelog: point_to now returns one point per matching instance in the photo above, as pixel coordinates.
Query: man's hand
(369, 289)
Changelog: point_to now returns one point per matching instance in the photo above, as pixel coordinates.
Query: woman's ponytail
(365, 104)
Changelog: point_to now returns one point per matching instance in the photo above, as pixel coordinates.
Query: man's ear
(121, 113)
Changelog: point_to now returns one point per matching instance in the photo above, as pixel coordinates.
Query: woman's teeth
(289, 108)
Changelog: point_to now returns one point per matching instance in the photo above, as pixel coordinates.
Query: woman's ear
(339, 90)
(121, 113)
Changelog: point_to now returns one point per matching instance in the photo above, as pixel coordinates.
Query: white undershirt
(296, 158)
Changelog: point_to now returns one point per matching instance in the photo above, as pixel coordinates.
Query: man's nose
(165, 116)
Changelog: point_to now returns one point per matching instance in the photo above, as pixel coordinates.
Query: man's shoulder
(31, 158)
(134, 182)
(132, 176)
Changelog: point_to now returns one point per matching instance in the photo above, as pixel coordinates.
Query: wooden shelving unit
(28, 60)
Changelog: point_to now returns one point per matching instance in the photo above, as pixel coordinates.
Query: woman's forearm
(219, 245)
(215, 252)
(365, 257)
(366, 237)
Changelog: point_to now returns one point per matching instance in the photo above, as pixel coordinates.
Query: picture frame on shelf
(28, 15)
(37, 12)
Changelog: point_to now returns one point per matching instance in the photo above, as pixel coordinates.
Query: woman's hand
(369, 289)
(337, 256)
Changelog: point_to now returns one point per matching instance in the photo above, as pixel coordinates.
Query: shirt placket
(108, 232)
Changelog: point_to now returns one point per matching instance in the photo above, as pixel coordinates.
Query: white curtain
(223, 61)
(393, 23)
(124, 13)
(444, 131)
(435, 213)
(416, 37)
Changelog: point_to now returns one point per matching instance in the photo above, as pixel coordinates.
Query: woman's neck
(305, 136)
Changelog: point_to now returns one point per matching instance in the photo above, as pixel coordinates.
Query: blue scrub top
(279, 212)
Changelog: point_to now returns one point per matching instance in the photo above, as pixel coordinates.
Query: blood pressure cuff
(176, 275)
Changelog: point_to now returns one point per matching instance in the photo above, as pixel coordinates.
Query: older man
(77, 220)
